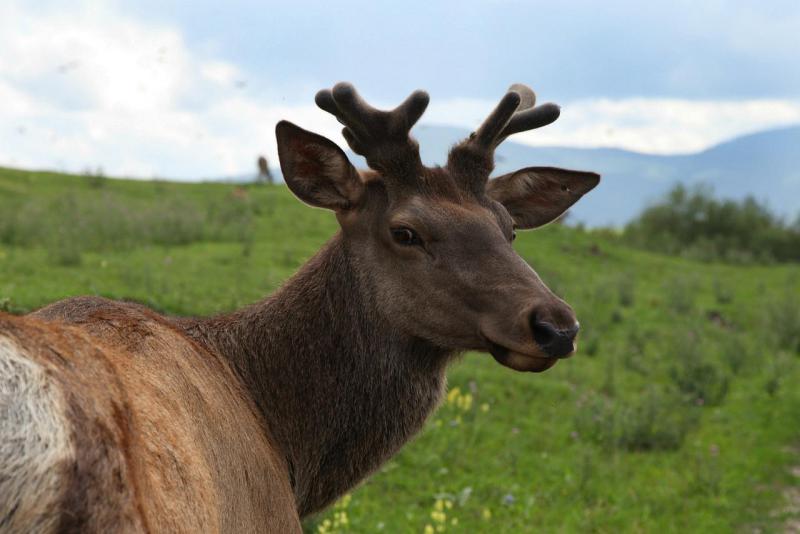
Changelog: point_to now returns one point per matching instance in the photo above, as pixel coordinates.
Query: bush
(783, 322)
(691, 222)
(695, 375)
(680, 293)
(626, 288)
(654, 420)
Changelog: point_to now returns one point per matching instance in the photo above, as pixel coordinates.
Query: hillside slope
(678, 413)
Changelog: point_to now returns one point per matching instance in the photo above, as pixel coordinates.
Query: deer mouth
(518, 360)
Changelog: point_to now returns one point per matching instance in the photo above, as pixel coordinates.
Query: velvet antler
(382, 137)
(473, 158)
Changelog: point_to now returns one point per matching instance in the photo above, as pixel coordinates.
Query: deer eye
(405, 237)
(513, 234)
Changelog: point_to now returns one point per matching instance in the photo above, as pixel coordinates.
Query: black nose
(556, 342)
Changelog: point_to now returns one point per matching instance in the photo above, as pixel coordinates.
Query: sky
(192, 90)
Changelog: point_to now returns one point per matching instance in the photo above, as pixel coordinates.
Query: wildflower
(484, 407)
(344, 502)
(452, 395)
(486, 514)
(429, 529)
(438, 516)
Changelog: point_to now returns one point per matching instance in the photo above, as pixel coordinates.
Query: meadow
(679, 413)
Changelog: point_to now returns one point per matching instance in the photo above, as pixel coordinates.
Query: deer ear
(316, 169)
(535, 196)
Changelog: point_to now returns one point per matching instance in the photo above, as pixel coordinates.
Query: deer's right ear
(316, 169)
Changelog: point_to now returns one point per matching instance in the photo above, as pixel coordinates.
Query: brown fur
(248, 421)
(155, 446)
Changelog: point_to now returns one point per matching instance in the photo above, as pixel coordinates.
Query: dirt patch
(791, 510)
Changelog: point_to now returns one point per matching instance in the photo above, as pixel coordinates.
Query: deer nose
(556, 342)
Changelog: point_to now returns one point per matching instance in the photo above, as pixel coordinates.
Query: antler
(382, 137)
(517, 112)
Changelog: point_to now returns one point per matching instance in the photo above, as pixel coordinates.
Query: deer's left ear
(535, 196)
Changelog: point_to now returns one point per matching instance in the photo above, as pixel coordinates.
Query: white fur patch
(35, 444)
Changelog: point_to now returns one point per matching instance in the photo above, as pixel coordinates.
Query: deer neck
(339, 388)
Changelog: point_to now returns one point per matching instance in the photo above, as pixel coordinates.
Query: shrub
(654, 420)
(626, 288)
(694, 374)
(658, 421)
(691, 222)
(783, 322)
(680, 292)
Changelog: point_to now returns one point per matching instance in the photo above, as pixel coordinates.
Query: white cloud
(88, 88)
(652, 125)
(220, 72)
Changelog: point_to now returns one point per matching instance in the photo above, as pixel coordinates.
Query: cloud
(89, 88)
(86, 87)
(650, 125)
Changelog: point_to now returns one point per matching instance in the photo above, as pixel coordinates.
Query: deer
(116, 418)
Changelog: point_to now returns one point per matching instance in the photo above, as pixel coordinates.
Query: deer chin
(520, 361)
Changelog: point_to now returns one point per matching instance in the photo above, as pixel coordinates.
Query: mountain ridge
(763, 164)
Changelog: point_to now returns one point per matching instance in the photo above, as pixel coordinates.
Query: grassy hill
(680, 412)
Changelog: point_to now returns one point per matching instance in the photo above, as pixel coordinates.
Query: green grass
(680, 411)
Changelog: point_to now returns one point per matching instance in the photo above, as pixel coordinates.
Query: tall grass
(68, 225)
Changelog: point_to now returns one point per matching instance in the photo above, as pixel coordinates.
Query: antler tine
(523, 117)
(530, 119)
(497, 120)
(473, 159)
(526, 94)
(380, 136)
(412, 108)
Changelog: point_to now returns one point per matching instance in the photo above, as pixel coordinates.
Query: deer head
(433, 246)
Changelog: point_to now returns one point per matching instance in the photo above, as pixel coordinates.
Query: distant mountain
(765, 165)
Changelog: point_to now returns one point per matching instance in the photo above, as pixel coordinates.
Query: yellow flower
(438, 516)
(344, 502)
(486, 514)
(484, 407)
(429, 529)
(452, 395)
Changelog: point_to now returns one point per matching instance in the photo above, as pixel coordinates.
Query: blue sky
(179, 89)
(573, 49)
